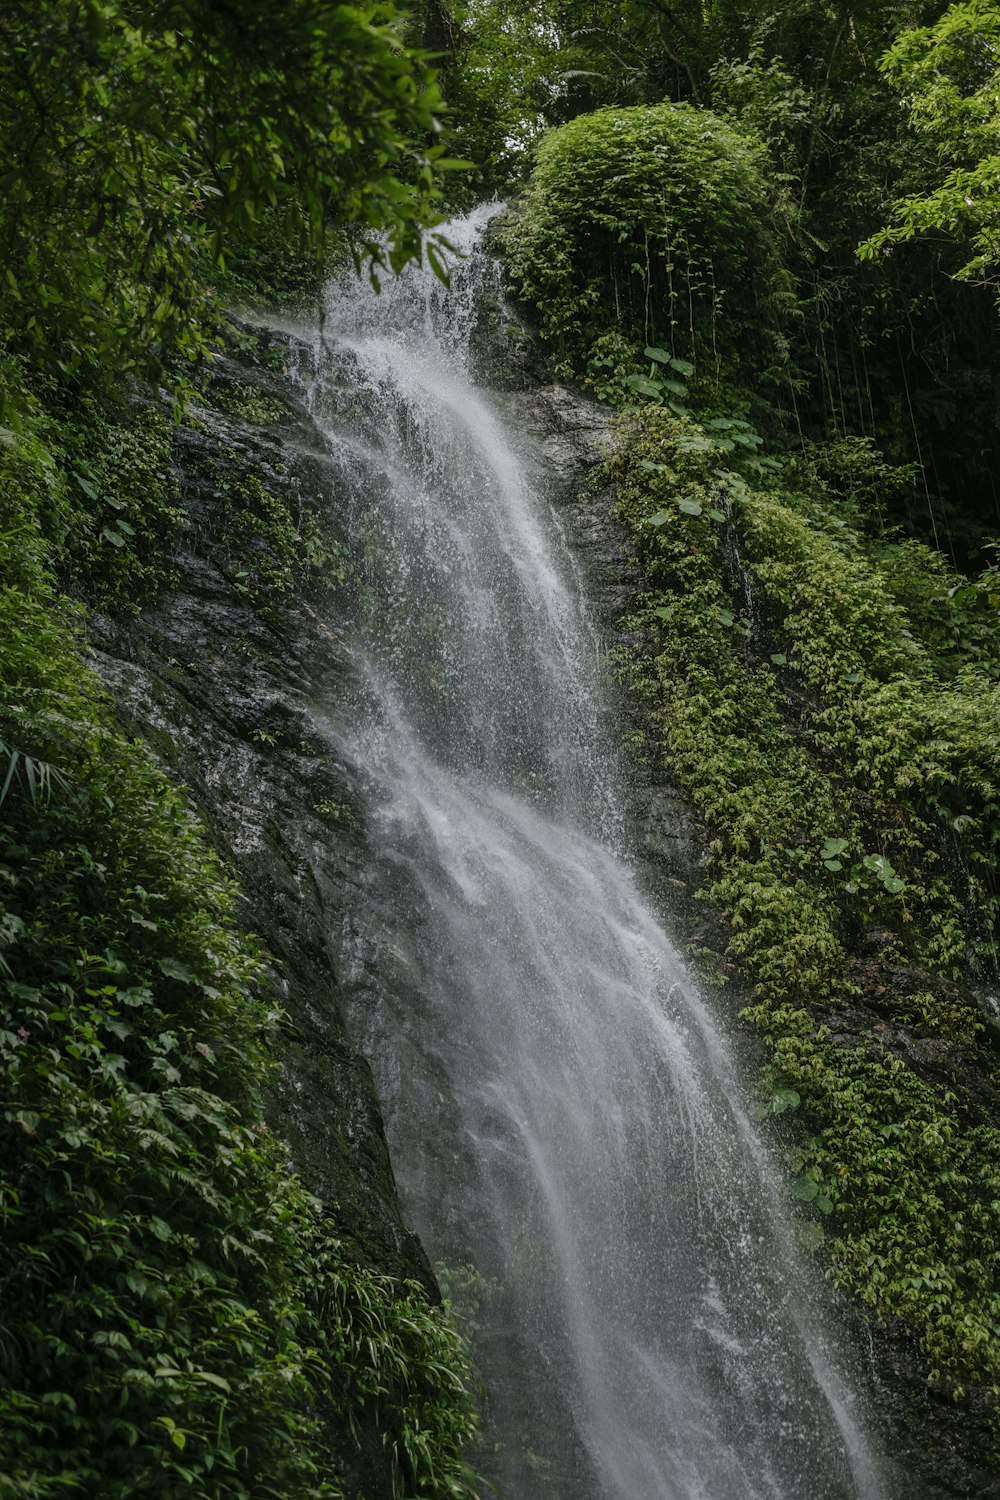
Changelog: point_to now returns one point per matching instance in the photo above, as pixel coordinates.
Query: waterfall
(563, 1111)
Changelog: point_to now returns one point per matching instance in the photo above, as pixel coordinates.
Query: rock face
(235, 697)
(239, 692)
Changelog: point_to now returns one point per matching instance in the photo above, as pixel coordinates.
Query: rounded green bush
(650, 226)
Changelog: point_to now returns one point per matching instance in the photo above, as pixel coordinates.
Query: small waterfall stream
(561, 1107)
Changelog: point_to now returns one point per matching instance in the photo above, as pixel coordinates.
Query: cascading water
(562, 1111)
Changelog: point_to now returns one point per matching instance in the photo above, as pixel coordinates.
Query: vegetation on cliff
(821, 683)
(177, 1317)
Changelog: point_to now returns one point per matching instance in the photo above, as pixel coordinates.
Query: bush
(653, 224)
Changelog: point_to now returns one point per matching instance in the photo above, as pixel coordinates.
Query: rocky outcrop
(236, 694)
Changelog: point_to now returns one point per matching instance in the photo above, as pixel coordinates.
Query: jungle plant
(777, 666)
(652, 223)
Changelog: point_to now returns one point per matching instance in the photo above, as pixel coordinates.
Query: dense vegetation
(177, 1317)
(891, 347)
(768, 234)
(831, 711)
(818, 678)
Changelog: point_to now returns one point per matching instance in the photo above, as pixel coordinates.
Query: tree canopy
(948, 74)
(135, 135)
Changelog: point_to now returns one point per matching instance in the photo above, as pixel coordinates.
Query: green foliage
(495, 74)
(249, 403)
(133, 140)
(177, 1319)
(94, 489)
(273, 263)
(947, 74)
(264, 533)
(465, 1290)
(836, 738)
(651, 225)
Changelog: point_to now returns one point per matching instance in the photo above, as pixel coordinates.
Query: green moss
(265, 533)
(846, 771)
(249, 403)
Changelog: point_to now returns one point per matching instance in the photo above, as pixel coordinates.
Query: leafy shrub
(652, 223)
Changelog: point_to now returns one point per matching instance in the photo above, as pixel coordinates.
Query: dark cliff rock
(235, 700)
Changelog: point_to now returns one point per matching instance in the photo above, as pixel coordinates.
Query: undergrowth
(828, 700)
(176, 1317)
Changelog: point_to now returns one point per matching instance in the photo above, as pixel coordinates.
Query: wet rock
(238, 704)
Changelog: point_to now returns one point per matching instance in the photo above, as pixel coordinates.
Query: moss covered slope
(845, 771)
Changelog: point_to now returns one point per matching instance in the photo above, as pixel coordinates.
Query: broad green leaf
(643, 385)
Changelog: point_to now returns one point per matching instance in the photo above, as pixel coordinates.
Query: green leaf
(437, 265)
(176, 970)
(643, 385)
(690, 507)
(832, 848)
(779, 658)
(661, 356)
(804, 1189)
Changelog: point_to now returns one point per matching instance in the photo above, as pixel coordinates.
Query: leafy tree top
(948, 74)
(134, 134)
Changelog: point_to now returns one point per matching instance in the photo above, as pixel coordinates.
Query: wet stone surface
(237, 703)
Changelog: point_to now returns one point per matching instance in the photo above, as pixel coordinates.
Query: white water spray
(562, 1110)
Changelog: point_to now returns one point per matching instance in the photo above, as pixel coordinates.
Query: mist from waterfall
(562, 1108)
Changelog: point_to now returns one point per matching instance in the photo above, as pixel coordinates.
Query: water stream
(562, 1109)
